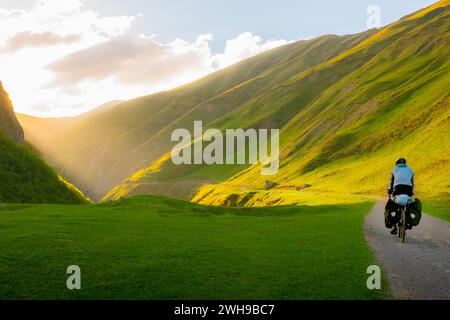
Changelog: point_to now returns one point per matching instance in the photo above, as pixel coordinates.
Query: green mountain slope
(24, 178)
(343, 122)
(101, 151)
(396, 104)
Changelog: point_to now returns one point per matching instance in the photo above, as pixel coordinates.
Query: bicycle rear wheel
(402, 231)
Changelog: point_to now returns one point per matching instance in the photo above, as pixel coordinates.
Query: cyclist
(402, 182)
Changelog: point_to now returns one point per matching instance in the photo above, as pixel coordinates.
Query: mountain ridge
(24, 177)
(102, 151)
(42, 131)
(321, 134)
(8, 121)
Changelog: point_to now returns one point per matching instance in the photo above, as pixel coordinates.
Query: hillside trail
(418, 268)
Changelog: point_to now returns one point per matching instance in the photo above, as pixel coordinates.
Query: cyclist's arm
(391, 183)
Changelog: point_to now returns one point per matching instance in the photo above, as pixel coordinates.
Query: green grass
(150, 247)
(25, 178)
(440, 208)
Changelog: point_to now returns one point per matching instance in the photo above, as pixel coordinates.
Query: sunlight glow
(60, 58)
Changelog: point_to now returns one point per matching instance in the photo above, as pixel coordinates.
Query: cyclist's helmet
(400, 160)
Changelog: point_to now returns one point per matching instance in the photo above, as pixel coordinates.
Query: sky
(65, 57)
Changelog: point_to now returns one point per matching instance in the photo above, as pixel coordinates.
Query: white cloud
(58, 6)
(28, 39)
(62, 59)
(133, 61)
(244, 46)
(63, 18)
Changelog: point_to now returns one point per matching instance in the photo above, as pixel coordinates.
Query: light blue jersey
(402, 175)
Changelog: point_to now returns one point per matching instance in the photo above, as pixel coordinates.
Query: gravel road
(418, 268)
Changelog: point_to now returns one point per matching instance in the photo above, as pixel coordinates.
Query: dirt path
(419, 268)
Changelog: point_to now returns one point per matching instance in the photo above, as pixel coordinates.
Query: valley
(346, 108)
(149, 209)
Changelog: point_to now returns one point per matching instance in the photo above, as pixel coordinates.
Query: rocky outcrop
(8, 121)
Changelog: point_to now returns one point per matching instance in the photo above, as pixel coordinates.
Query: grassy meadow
(150, 247)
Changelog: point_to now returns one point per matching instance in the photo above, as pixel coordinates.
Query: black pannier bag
(390, 214)
(415, 211)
